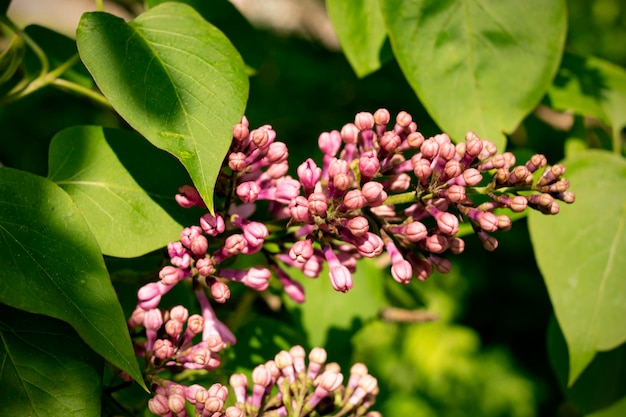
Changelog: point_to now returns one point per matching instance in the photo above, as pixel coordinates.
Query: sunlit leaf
(580, 254)
(175, 78)
(592, 87)
(477, 65)
(51, 264)
(123, 186)
(361, 31)
(46, 368)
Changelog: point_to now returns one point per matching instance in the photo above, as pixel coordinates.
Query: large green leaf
(361, 32)
(478, 65)
(602, 384)
(580, 254)
(123, 186)
(47, 370)
(175, 78)
(592, 87)
(51, 264)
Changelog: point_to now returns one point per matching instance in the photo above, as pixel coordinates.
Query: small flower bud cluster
(287, 386)
(171, 399)
(171, 342)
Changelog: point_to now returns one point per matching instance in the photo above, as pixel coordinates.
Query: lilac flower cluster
(287, 386)
(381, 187)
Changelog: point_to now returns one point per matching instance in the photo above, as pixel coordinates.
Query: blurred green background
(486, 355)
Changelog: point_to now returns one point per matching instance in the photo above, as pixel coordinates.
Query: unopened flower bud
(317, 204)
(358, 225)
(329, 143)
(390, 141)
(169, 275)
(350, 133)
(301, 251)
(309, 174)
(212, 225)
(489, 242)
(220, 292)
(237, 161)
(364, 120)
(415, 140)
(248, 191)
(415, 231)
(188, 197)
(536, 161)
(205, 266)
(374, 193)
(354, 200)
(158, 405)
(163, 349)
(435, 243)
(430, 148)
(368, 166)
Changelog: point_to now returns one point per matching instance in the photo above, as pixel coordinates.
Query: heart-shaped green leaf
(580, 254)
(477, 65)
(51, 264)
(361, 31)
(123, 186)
(175, 78)
(47, 370)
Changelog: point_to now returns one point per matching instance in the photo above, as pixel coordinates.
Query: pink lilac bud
(489, 242)
(212, 225)
(471, 177)
(489, 150)
(442, 264)
(567, 197)
(369, 245)
(239, 384)
(422, 268)
(368, 166)
(163, 349)
(188, 197)
(205, 266)
(390, 142)
(297, 353)
(299, 210)
(313, 266)
(292, 288)
(255, 233)
(429, 149)
(457, 245)
(158, 405)
(173, 328)
(504, 223)
(374, 193)
(401, 269)
(446, 222)
(301, 251)
(220, 292)
(153, 320)
(350, 133)
(519, 174)
(536, 161)
(415, 140)
(415, 231)
(277, 153)
(136, 318)
(149, 296)
(397, 183)
(309, 174)
(257, 278)
(358, 226)
(336, 167)
(199, 245)
(447, 150)
(329, 143)
(248, 191)
(233, 411)
(284, 361)
(261, 378)
(354, 200)
(340, 276)
(317, 358)
(195, 324)
(234, 244)
(286, 190)
(435, 243)
(188, 234)
(341, 182)
(367, 385)
(364, 120)
(237, 161)
(452, 169)
(422, 169)
(179, 313)
(277, 171)
(169, 275)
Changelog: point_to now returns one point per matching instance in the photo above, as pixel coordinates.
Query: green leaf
(477, 65)
(47, 370)
(51, 264)
(123, 186)
(175, 78)
(361, 31)
(326, 309)
(11, 58)
(592, 87)
(600, 386)
(580, 254)
(250, 42)
(4, 6)
(617, 409)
